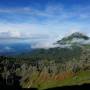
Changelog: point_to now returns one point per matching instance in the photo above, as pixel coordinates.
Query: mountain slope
(74, 38)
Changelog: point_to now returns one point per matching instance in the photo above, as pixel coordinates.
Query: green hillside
(47, 68)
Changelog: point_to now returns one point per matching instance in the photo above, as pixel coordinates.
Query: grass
(87, 46)
(81, 78)
(44, 81)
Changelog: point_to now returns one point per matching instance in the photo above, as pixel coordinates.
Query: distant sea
(14, 48)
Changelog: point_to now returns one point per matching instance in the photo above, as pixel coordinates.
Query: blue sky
(43, 21)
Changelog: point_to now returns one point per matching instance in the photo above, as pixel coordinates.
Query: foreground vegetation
(79, 79)
(40, 70)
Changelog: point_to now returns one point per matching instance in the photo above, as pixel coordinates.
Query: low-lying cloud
(80, 41)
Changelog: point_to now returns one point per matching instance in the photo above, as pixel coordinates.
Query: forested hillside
(47, 68)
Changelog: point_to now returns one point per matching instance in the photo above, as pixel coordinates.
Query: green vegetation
(80, 78)
(47, 68)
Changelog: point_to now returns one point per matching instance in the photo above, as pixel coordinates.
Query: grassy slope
(80, 78)
(87, 46)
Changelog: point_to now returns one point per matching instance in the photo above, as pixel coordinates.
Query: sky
(42, 22)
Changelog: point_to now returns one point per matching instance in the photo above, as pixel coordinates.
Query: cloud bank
(43, 23)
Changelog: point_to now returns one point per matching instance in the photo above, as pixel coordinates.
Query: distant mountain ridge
(74, 38)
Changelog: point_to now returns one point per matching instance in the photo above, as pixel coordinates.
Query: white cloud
(79, 41)
(87, 42)
(76, 40)
(10, 34)
(15, 34)
(27, 30)
(16, 10)
(44, 44)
